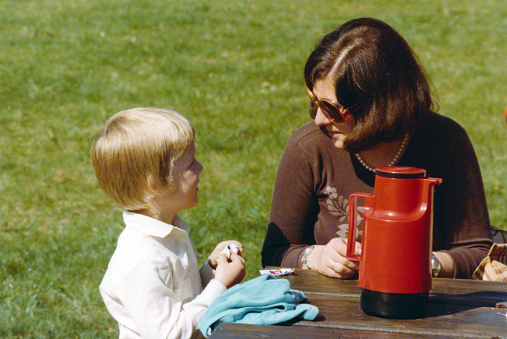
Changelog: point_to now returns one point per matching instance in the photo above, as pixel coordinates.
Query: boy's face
(186, 178)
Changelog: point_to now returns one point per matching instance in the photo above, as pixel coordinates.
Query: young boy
(145, 161)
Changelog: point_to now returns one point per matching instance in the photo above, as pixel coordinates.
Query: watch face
(435, 266)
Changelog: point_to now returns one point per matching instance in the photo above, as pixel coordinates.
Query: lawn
(235, 69)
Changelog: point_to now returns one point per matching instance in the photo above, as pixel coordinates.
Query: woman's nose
(321, 119)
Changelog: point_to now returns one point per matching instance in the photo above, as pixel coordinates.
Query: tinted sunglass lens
(331, 111)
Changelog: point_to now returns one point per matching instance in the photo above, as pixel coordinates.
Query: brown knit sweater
(315, 179)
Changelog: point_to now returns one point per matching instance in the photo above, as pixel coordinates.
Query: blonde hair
(136, 153)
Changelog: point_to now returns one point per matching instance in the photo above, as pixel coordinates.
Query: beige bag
(494, 266)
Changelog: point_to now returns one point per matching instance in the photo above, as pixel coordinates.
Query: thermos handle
(351, 234)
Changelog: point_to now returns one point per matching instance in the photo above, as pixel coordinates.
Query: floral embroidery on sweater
(338, 206)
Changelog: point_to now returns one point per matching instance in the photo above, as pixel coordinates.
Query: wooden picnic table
(457, 308)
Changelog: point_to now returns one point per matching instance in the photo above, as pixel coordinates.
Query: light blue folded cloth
(264, 300)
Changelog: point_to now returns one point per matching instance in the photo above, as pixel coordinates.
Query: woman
(371, 106)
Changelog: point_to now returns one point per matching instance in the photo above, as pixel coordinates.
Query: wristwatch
(304, 259)
(435, 266)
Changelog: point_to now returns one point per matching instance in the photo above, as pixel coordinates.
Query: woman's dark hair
(372, 66)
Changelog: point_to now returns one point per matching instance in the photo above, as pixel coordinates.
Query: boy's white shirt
(153, 286)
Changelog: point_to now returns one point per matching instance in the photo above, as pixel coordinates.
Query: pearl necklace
(395, 159)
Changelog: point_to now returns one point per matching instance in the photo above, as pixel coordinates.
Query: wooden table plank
(445, 291)
(454, 320)
(469, 292)
(231, 331)
(308, 280)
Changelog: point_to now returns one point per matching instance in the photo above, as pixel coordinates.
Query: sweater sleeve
(462, 226)
(207, 273)
(293, 209)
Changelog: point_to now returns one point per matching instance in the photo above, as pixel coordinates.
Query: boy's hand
(230, 271)
(213, 258)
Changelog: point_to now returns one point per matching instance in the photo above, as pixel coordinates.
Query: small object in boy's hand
(233, 248)
(505, 114)
(280, 271)
(230, 248)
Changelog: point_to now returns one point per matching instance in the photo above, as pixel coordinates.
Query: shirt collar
(154, 227)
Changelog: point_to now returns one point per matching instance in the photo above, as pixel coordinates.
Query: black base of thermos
(394, 305)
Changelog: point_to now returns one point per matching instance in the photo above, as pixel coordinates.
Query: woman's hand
(213, 258)
(330, 259)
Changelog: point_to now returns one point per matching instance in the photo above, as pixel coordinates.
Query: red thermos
(396, 245)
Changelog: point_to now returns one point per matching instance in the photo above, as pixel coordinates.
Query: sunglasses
(331, 109)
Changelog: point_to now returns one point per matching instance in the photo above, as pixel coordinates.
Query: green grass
(235, 69)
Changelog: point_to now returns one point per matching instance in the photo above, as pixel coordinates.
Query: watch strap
(304, 259)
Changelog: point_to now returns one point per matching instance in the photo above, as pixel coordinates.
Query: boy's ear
(152, 185)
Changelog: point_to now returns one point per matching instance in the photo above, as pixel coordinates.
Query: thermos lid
(401, 172)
